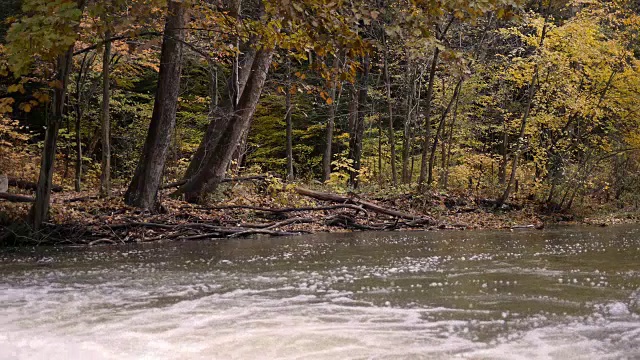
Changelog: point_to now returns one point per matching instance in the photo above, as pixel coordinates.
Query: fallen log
(16, 198)
(364, 204)
(29, 185)
(285, 210)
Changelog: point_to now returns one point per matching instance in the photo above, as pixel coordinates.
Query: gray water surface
(567, 293)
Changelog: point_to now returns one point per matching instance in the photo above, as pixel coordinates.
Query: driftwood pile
(344, 212)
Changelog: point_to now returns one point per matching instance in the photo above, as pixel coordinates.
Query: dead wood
(350, 200)
(290, 221)
(265, 232)
(29, 185)
(286, 210)
(274, 225)
(16, 198)
(102, 241)
(134, 224)
(348, 222)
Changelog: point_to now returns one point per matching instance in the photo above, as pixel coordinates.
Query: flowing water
(566, 293)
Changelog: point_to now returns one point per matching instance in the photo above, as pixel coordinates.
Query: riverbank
(241, 210)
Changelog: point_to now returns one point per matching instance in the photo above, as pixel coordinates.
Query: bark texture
(105, 177)
(357, 130)
(427, 118)
(40, 210)
(224, 134)
(143, 190)
(326, 158)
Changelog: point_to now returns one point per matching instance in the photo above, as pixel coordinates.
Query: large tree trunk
(427, 118)
(357, 133)
(222, 114)
(224, 134)
(105, 177)
(40, 210)
(326, 158)
(143, 190)
(440, 129)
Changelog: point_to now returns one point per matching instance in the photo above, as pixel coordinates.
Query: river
(564, 293)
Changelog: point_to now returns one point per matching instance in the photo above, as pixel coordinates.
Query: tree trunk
(427, 118)
(523, 125)
(289, 123)
(221, 113)
(525, 117)
(78, 180)
(406, 143)
(79, 110)
(392, 141)
(105, 178)
(502, 172)
(326, 159)
(443, 119)
(355, 142)
(445, 181)
(40, 210)
(143, 190)
(224, 134)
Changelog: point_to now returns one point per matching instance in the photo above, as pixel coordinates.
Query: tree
(53, 41)
(105, 177)
(143, 189)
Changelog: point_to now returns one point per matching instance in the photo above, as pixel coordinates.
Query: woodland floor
(82, 218)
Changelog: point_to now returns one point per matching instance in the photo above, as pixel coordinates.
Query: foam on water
(52, 322)
(401, 296)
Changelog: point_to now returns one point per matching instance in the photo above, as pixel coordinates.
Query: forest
(144, 120)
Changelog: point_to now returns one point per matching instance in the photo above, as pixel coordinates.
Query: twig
(103, 240)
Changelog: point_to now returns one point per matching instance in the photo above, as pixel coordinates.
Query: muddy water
(569, 293)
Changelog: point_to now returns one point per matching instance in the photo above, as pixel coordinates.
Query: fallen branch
(265, 232)
(286, 210)
(16, 198)
(289, 222)
(102, 241)
(273, 225)
(347, 222)
(364, 204)
(139, 224)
